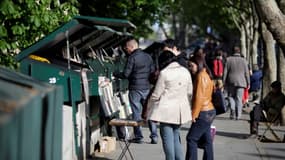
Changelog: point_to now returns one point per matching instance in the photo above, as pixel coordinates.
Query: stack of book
(113, 102)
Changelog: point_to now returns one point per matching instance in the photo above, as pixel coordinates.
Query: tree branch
(163, 30)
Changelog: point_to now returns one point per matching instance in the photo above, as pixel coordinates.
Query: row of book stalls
(77, 61)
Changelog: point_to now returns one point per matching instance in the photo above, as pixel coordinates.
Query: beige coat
(171, 99)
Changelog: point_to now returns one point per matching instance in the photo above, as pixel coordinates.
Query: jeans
(137, 98)
(171, 142)
(200, 131)
(235, 95)
(153, 129)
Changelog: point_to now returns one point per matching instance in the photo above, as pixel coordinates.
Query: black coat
(137, 70)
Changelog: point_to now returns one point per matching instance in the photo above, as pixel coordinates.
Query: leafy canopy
(214, 13)
(23, 22)
(142, 13)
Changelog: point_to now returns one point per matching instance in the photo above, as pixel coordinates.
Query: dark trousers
(256, 116)
(121, 132)
(200, 131)
(256, 113)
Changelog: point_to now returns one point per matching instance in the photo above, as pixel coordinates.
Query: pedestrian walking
(236, 78)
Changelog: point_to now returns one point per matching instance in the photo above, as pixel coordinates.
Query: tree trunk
(274, 20)
(182, 34)
(269, 68)
(174, 27)
(281, 63)
(248, 39)
(255, 33)
(254, 48)
(281, 69)
(163, 30)
(243, 40)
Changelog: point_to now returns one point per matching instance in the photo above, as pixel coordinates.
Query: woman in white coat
(170, 102)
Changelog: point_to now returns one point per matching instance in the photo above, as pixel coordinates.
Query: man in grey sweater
(236, 78)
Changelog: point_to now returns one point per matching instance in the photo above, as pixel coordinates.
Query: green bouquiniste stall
(30, 118)
(74, 56)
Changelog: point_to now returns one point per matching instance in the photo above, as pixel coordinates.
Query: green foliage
(8, 61)
(215, 13)
(142, 13)
(23, 22)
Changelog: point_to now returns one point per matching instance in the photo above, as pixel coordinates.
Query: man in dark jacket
(137, 70)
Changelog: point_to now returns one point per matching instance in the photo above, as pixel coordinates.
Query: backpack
(218, 68)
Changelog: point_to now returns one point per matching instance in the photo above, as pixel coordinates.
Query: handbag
(219, 101)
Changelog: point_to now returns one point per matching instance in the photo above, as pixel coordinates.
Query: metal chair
(269, 124)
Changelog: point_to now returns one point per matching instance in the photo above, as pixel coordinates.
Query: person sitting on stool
(272, 104)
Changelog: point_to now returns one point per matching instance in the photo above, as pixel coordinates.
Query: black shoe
(136, 140)
(154, 140)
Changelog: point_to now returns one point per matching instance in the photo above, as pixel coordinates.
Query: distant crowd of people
(179, 89)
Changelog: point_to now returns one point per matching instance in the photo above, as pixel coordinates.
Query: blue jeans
(137, 98)
(200, 131)
(153, 129)
(235, 94)
(171, 142)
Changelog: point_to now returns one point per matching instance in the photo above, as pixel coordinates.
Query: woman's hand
(193, 120)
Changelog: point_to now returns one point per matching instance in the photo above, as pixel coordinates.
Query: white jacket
(171, 99)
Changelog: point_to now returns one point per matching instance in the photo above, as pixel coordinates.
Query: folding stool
(124, 122)
(269, 125)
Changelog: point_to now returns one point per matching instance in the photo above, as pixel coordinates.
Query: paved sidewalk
(231, 143)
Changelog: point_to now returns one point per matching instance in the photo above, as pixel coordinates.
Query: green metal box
(76, 54)
(30, 118)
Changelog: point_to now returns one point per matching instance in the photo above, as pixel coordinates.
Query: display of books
(126, 103)
(105, 94)
(112, 103)
(104, 103)
(121, 108)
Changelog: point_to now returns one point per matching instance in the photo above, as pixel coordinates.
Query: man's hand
(118, 74)
(115, 74)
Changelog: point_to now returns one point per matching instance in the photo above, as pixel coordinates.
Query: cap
(276, 84)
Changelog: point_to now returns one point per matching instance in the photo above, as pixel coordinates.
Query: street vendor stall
(81, 56)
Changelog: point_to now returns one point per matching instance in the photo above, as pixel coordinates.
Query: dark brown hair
(201, 63)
